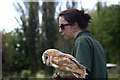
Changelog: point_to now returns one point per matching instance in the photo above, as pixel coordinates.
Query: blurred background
(29, 27)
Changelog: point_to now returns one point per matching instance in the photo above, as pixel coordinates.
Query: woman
(88, 52)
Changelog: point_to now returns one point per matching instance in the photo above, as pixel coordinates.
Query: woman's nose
(60, 30)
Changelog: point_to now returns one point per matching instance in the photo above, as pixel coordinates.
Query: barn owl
(64, 63)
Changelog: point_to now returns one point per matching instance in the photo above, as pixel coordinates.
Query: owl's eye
(46, 57)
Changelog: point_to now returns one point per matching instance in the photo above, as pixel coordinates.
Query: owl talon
(58, 73)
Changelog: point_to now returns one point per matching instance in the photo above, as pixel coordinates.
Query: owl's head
(48, 55)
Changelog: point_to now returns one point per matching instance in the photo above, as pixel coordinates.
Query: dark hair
(74, 15)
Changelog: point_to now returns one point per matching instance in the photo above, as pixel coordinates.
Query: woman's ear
(75, 26)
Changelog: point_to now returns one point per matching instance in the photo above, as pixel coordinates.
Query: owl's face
(46, 59)
(48, 55)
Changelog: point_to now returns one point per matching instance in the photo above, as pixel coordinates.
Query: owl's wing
(72, 59)
(67, 64)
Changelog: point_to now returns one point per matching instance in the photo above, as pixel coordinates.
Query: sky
(8, 13)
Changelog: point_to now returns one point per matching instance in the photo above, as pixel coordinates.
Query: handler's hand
(56, 76)
(67, 77)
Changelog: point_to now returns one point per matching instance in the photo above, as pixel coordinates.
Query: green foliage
(113, 73)
(105, 29)
(10, 49)
(25, 73)
(21, 49)
(40, 74)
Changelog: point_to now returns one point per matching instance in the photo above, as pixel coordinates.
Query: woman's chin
(66, 38)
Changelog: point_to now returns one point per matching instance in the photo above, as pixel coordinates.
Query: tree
(13, 58)
(105, 28)
(49, 29)
(31, 36)
(30, 29)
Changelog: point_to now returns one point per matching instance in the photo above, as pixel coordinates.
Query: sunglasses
(63, 25)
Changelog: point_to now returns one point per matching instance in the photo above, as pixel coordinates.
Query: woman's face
(67, 32)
